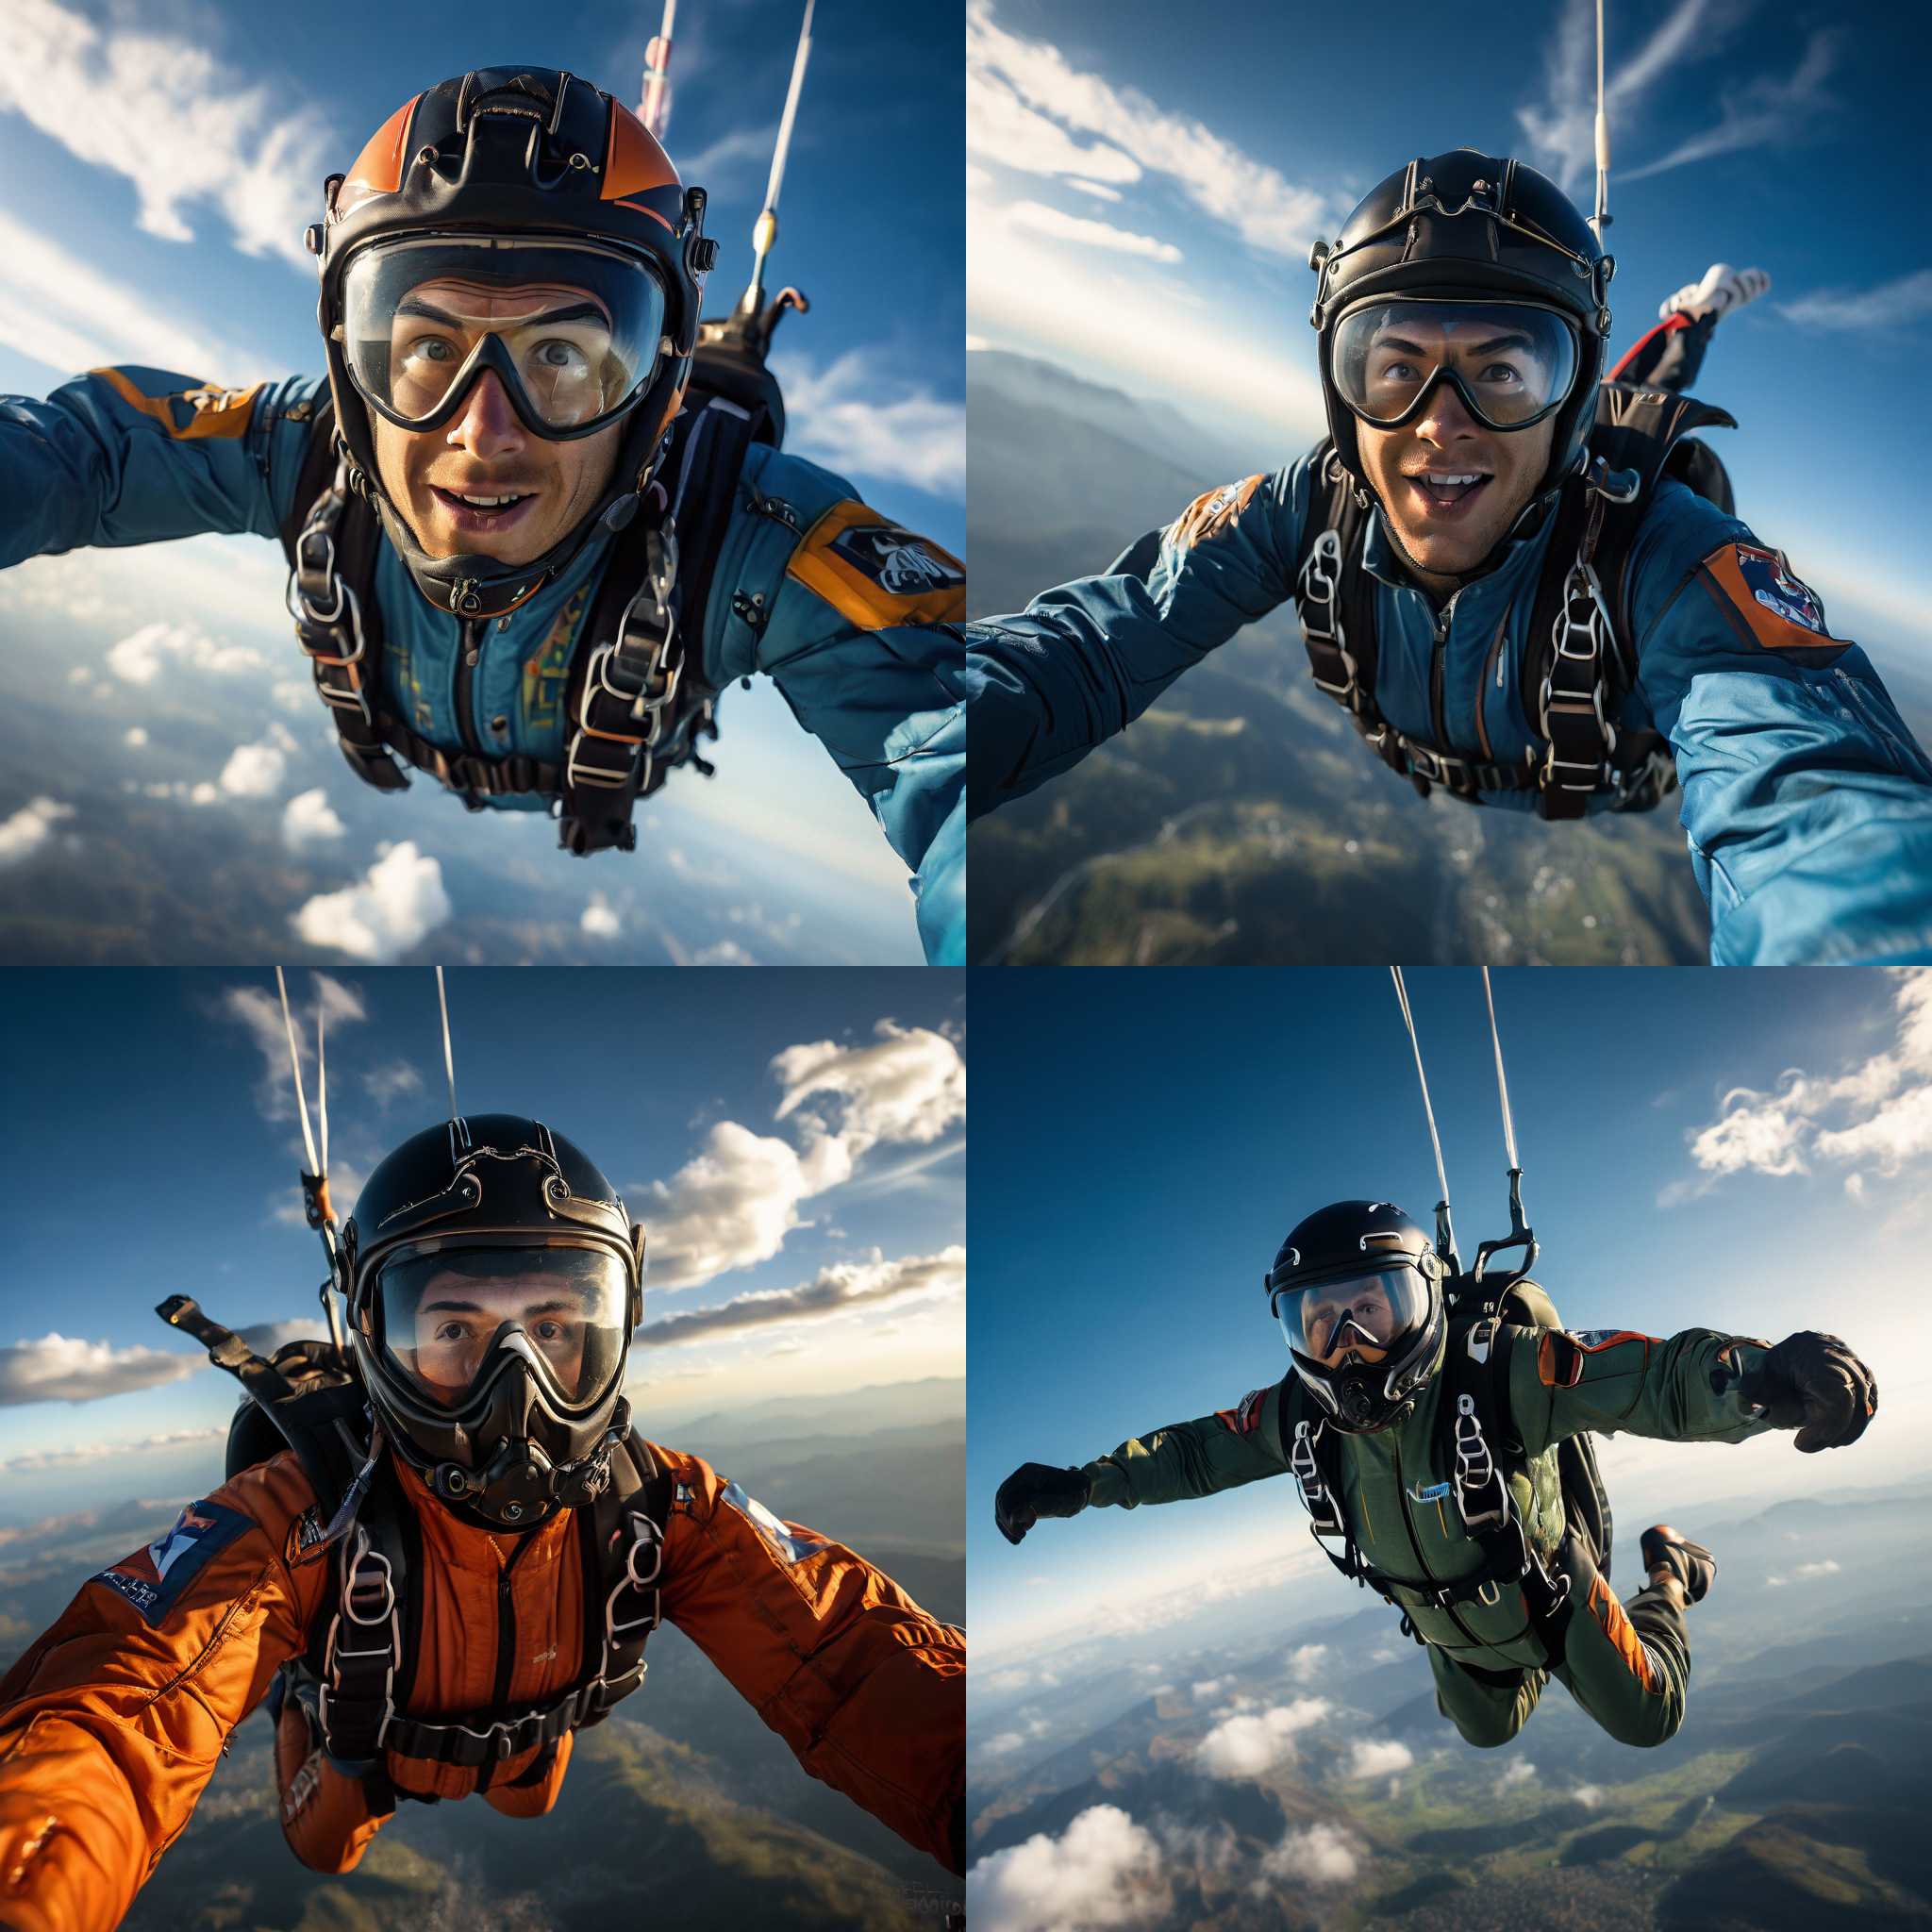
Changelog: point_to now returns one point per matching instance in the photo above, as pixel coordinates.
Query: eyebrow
(1478, 349)
(576, 311)
(558, 1305)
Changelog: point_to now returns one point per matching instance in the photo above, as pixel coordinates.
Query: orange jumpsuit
(111, 1725)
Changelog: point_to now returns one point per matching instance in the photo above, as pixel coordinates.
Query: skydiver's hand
(1814, 1384)
(1035, 1489)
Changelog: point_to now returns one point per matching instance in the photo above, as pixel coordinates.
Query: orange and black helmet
(503, 176)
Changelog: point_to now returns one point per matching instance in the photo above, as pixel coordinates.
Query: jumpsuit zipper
(468, 650)
(1420, 1561)
(1492, 665)
(1438, 673)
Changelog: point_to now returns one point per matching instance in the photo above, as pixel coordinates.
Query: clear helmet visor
(1511, 362)
(571, 329)
(1361, 1318)
(446, 1321)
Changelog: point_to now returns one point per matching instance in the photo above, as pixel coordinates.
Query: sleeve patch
(874, 574)
(1775, 608)
(1247, 1417)
(190, 415)
(791, 1544)
(1213, 513)
(153, 1579)
(1559, 1359)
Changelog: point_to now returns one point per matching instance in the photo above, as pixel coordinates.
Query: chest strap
(353, 1691)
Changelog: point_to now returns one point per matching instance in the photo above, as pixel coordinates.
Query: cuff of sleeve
(1107, 1485)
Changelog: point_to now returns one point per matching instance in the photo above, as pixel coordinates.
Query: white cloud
(258, 1011)
(1304, 1662)
(1518, 1771)
(600, 920)
(1104, 1870)
(1889, 305)
(308, 819)
(1828, 1567)
(396, 906)
(1876, 1114)
(1043, 220)
(37, 1461)
(1318, 1854)
(735, 1202)
(255, 771)
(1589, 1796)
(181, 127)
(1019, 88)
(834, 1290)
(1247, 1746)
(27, 830)
(62, 1368)
(844, 416)
(135, 736)
(387, 1084)
(1378, 1756)
(1209, 1688)
(141, 657)
(206, 792)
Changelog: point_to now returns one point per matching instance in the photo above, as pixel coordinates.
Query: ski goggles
(1511, 362)
(1362, 1318)
(453, 1320)
(572, 330)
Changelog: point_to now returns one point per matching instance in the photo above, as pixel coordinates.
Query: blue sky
(1141, 200)
(160, 1150)
(1747, 1154)
(158, 166)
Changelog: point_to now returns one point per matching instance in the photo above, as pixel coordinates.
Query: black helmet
(493, 1278)
(1358, 1289)
(510, 169)
(1470, 224)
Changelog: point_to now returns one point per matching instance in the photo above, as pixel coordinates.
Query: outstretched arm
(867, 1689)
(850, 616)
(112, 1722)
(136, 456)
(1083, 661)
(1808, 802)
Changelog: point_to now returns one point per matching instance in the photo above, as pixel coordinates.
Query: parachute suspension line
(655, 112)
(315, 1201)
(1502, 1085)
(449, 1064)
(765, 232)
(1446, 1234)
(1601, 219)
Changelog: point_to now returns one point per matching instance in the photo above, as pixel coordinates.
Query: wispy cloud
(1065, 227)
(853, 420)
(38, 1461)
(1765, 110)
(834, 1290)
(1876, 1114)
(183, 128)
(1027, 107)
(1886, 305)
(257, 1009)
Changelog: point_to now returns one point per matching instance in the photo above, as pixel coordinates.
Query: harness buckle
(1320, 584)
(1426, 761)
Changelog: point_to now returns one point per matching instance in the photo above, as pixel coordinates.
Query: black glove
(1035, 1489)
(1814, 1384)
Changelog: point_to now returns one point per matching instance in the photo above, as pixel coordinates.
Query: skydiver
(534, 527)
(439, 1558)
(1480, 590)
(1480, 1528)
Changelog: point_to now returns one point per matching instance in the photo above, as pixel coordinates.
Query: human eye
(559, 354)
(1502, 374)
(430, 349)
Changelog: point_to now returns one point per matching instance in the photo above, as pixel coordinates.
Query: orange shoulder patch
(189, 415)
(874, 574)
(1213, 511)
(1767, 602)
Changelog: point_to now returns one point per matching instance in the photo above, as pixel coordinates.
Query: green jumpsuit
(1627, 1664)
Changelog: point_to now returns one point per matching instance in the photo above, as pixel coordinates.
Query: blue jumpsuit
(1806, 802)
(135, 455)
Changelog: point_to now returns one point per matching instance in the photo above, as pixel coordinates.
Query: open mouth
(484, 510)
(1448, 492)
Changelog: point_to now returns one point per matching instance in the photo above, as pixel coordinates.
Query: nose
(1444, 416)
(487, 427)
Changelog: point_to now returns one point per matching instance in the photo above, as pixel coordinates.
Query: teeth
(484, 502)
(1443, 482)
